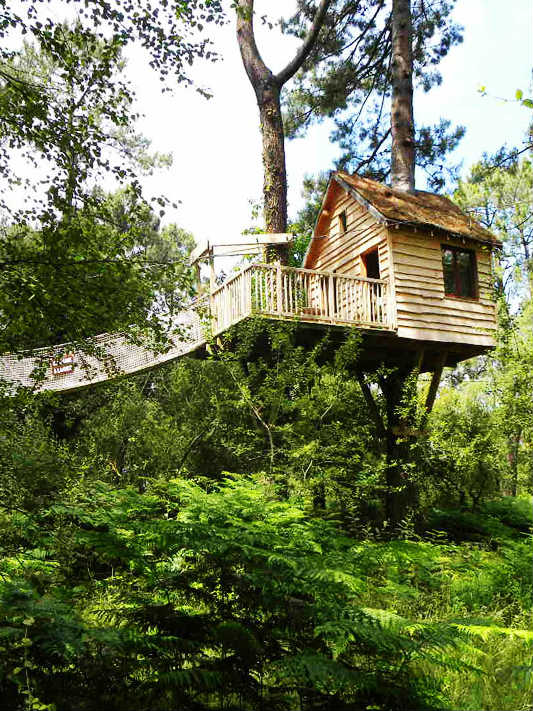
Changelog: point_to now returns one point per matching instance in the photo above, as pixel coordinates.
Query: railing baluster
(279, 305)
(315, 295)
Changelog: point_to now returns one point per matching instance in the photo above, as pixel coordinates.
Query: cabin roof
(420, 208)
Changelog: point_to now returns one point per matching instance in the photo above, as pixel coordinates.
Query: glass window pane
(465, 273)
(449, 271)
(459, 270)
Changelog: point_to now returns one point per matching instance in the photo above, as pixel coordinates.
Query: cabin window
(371, 264)
(342, 221)
(459, 269)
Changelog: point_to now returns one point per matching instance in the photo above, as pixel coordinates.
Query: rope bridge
(268, 290)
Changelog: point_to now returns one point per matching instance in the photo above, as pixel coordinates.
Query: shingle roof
(419, 208)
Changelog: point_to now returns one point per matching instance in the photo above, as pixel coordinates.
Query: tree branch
(301, 55)
(254, 65)
(372, 407)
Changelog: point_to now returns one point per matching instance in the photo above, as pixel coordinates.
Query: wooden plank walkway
(266, 290)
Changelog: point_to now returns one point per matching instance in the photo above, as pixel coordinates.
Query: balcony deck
(265, 290)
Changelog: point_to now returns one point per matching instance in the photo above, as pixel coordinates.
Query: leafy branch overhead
(68, 122)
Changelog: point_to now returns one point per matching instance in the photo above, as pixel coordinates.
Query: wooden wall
(340, 252)
(423, 310)
(412, 262)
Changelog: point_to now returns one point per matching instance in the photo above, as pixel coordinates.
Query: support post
(399, 488)
(435, 380)
(372, 407)
(419, 360)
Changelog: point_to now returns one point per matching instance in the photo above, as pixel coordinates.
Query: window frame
(474, 272)
(343, 222)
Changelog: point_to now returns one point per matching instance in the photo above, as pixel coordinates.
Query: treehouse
(409, 271)
(418, 254)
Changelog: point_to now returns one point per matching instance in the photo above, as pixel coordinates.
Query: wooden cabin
(436, 261)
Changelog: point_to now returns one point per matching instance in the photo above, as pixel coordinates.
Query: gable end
(360, 199)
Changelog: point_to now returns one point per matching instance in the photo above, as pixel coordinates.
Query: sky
(216, 145)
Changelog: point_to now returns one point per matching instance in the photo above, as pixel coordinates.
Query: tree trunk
(275, 176)
(399, 490)
(274, 167)
(402, 120)
(267, 88)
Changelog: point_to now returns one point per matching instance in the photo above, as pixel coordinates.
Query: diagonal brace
(373, 408)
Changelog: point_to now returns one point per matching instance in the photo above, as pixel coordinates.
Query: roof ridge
(421, 207)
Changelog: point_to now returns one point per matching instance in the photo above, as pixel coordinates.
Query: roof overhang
(360, 199)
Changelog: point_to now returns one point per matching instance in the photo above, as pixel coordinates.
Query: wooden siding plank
(423, 310)
(445, 336)
(444, 306)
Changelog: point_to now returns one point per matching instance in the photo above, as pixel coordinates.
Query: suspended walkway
(266, 290)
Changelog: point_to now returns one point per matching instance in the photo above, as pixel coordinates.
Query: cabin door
(371, 264)
(372, 303)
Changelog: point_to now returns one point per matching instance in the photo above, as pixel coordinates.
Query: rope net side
(67, 369)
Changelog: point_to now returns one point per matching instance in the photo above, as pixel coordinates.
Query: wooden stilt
(419, 360)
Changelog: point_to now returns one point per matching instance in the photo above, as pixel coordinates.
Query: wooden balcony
(301, 294)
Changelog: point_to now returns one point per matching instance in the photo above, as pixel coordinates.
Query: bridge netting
(64, 367)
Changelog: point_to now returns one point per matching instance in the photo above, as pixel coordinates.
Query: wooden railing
(306, 294)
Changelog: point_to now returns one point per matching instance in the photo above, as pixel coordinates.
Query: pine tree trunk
(274, 168)
(275, 176)
(392, 388)
(402, 120)
(399, 492)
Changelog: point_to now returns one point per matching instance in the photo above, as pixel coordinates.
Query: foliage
(463, 433)
(347, 78)
(313, 191)
(136, 575)
(85, 56)
(182, 597)
(103, 269)
(67, 117)
(511, 376)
